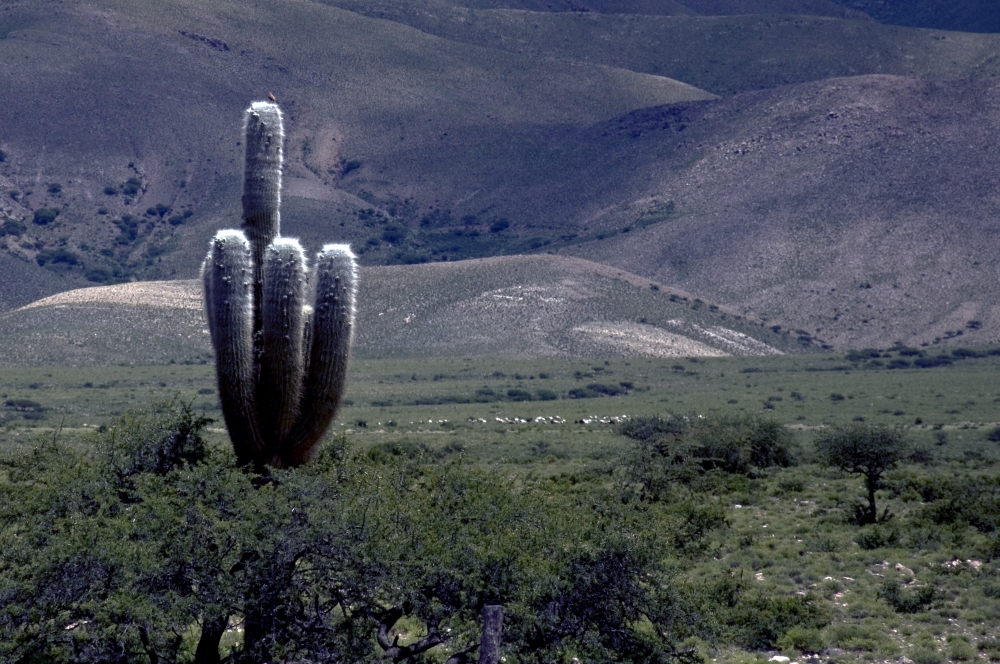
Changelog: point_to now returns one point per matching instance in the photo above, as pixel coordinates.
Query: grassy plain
(553, 422)
(962, 398)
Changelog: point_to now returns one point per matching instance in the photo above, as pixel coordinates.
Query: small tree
(864, 449)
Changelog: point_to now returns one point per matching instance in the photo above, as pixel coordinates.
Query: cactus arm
(332, 329)
(264, 135)
(281, 367)
(229, 307)
(206, 282)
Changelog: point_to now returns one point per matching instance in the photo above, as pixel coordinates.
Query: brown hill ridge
(518, 306)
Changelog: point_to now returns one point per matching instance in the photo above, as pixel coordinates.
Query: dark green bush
(410, 258)
(13, 227)
(677, 450)
(953, 501)
(23, 404)
(925, 654)
(98, 275)
(922, 455)
(57, 256)
(393, 234)
(594, 390)
(930, 362)
(753, 620)
(606, 390)
(44, 216)
(864, 449)
(877, 537)
(803, 639)
(28, 409)
(157, 442)
(129, 228)
(485, 394)
(963, 501)
(132, 186)
(517, 394)
(741, 444)
(906, 600)
(384, 452)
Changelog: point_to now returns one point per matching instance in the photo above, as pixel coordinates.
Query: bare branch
(386, 623)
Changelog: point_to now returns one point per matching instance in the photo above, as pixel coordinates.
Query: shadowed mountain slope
(863, 210)
(962, 15)
(521, 306)
(672, 7)
(957, 15)
(113, 109)
(859, 210)
(720, 53)
(785, 202)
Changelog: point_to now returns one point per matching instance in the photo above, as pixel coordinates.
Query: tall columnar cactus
(281, 364)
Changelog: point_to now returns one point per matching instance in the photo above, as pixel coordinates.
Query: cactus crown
(281, 364)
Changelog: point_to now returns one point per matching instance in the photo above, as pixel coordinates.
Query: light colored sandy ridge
(742, 343)
(646, 340)
(168, 294)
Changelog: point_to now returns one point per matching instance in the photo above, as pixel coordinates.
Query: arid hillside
(800, 162)
(517, 307)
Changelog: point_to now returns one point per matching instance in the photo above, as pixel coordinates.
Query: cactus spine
(281, 364)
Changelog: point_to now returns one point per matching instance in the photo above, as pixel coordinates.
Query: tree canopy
(864, 449)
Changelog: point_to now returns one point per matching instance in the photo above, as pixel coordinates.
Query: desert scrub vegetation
(867, 450)
(712, 537)
(697, 537)
(153, 546)
(750, 539)
(45, 216)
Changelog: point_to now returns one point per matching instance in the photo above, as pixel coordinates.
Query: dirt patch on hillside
(645, 340)
(169, 294)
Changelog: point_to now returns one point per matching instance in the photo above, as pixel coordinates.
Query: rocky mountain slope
(794, 160)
